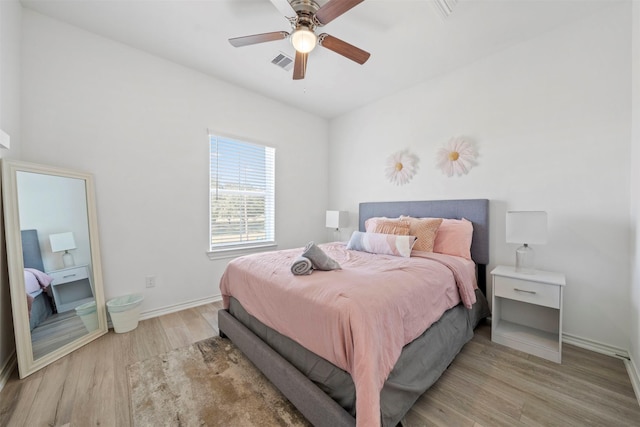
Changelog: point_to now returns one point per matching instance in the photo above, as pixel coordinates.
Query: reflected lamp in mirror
(63, 242)
(526, 228)
(337, 219)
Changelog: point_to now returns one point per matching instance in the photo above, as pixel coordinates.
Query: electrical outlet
(150, 281)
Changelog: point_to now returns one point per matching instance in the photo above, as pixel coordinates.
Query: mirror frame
(24, 349)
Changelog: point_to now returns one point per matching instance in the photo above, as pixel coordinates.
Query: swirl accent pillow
(385, 244)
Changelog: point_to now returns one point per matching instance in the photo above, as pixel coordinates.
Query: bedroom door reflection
(54, 263)
(57, 260)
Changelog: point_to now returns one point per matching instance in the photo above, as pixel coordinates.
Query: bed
(39, 299)
(324, 391)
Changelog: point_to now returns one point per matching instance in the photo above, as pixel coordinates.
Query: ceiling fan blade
(333, 9)
(258, 38)
(300, 66)
(285, 8)
(343, 48)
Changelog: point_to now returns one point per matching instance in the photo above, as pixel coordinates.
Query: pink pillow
(30, 282)
(390, 226)
(454, 238)
(371, 224)
(43, 278)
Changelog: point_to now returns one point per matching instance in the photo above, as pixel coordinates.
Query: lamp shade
(337, 219)
(528, 227)
(303, 40)
(62, 242)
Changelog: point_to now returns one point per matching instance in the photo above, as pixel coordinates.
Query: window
(242, 194)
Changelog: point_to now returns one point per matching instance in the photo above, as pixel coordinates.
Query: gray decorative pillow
(320, 260)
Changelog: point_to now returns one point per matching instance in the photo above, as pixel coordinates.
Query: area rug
(210, 383)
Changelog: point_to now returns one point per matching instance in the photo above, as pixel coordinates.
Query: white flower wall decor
(401, 167)
(456, 157)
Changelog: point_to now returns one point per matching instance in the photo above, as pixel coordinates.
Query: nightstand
(71, 287)
(527, 311)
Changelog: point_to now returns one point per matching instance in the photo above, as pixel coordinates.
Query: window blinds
(242, 193)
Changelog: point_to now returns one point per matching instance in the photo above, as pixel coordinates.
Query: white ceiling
(408, 40)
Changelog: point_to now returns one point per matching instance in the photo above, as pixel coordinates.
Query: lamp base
(525, 260)
(67, 259)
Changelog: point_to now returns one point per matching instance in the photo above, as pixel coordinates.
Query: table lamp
(63, 242)
(526, 227)
(337, 219)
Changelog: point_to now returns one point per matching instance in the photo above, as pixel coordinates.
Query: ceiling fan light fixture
(303, 40)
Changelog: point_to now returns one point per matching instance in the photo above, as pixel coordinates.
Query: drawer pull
(68, 275)
(522, 290)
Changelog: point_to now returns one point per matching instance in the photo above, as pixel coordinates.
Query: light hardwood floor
(57, 330)
(487, 384)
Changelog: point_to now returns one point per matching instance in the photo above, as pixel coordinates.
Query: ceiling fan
(305, 16)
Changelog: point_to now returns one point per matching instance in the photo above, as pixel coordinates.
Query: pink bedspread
(358, 318)
(34, 280)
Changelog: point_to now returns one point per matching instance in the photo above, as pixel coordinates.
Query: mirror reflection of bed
(52, 327)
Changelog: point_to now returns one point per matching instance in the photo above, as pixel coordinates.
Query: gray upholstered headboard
(31, 250)
(475, 210)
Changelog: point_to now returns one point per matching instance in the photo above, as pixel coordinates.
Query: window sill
(237, 252)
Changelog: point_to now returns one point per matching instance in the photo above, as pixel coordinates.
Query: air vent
(283, 61)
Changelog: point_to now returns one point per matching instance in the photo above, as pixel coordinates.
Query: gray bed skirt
(40, 310)
(420, 364)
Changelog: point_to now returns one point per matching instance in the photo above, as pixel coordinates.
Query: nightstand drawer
(69, 275)
(526, 291)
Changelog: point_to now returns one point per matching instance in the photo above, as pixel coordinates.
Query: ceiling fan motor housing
(305, 7)
(306, 14)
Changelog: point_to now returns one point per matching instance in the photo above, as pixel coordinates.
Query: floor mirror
(53, 256)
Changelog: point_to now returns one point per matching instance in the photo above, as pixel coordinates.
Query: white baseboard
(634, 376)
(178, 307)
(595, 346)
(619, 353)
(7, 370)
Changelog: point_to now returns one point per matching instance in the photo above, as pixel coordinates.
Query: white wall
(139, 124)
(634, 299)
(10, 35)
(10, 19)
(550, 118)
